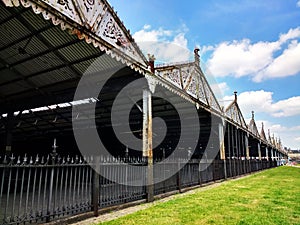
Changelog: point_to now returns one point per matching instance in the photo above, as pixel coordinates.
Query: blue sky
(250, 46)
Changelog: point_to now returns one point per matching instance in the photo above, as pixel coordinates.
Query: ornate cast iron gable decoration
(92, 20)
(97, 23)
(234, 113)
(189, 78)
(252, 126)
(262, 132)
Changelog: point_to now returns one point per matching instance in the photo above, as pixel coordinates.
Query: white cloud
(298, 3)
(287, 64)
(274, 128)
(287, 107)
(147, 26)
(165, 45)
(296, 128)
(259, 101)
(243, 58)
(289, 136)
(180, 40)
(297, 139)
(291, 34)
(204, 49)
(219, 89)
(262, 101)
(146, 34)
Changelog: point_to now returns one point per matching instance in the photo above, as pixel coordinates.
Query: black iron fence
(39, 189)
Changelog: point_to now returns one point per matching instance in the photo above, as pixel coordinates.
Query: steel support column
(237, 147)
(222, 148)
(247, 147)
(243, 152)
(147, 141)
(233, 151)
(272, 154)
(229, 148)
(259, 151)
(277, 157)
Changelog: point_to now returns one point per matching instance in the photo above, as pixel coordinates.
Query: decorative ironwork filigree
(89, 4)
(64, 3)
(192, 88)
(112, 31)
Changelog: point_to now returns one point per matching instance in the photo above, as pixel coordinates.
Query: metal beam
(49, 50)
(26, 37)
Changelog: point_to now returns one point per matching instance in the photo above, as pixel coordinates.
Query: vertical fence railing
(41, 189)
(35, 190)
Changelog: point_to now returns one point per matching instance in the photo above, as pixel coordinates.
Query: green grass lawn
(269, 197)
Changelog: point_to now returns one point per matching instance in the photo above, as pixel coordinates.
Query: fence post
(199, 172)
(95, 187)
(150, 185)
(213, 170)
(53, 157)
(178, 178)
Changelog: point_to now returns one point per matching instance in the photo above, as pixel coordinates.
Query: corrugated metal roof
(11, 55)
(82, 66)
(12, 87)
(40, 59)
(35, 46)
(31, 46)
(7, 75)
(52, 77)
(12, 30)
(4, 14)
(56, 37)
(78, 51)
(39, 64)
(32, 19)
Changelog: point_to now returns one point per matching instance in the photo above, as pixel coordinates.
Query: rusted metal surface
(94, 21)
(145, 123)
(103, 29)
(147, 142)
(221, 141)
(189, 77)
(149, 122)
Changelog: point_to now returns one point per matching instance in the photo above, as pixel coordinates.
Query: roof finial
(197, 57)
(235, 96)
(279, 142)
(151, 59)
(262, 125)
(253, 115)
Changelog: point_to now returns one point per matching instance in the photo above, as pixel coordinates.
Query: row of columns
(237, 144)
